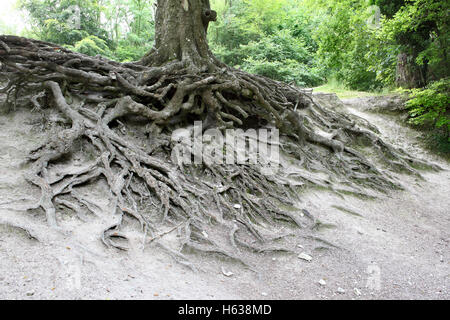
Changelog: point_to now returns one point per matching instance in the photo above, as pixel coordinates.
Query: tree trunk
(408, 74)
(181, 28)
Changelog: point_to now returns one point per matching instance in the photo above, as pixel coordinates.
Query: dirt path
(393, 247)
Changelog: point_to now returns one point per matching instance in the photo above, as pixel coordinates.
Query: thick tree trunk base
(94, 95)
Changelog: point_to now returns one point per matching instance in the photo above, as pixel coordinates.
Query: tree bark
(181, 29)
(408, 74)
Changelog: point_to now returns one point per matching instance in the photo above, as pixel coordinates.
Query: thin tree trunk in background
(181, 29)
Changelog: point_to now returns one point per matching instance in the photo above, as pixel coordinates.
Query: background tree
(343, 38)
(418, 32)
(118, 29)
(65, 22)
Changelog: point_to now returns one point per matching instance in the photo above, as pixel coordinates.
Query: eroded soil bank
(395, 246)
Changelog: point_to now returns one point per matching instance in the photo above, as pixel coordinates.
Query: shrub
(91, 45)
(282, 57)
(288, 70)
(431, 107)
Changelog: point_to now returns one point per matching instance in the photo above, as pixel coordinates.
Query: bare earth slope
(395, 246)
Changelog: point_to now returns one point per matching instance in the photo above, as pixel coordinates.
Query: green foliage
(289, 71)
(231, 31)
(65, 22)
(344, 38)
(382, 57)
(431, 106)
(334, 86)
(308, 42)
(420, 29)
(269, 38)
(389, 7)
(125, 35)
(281, 57)
(132, 48)
(279, 46)
(61, 33)
(91, 45)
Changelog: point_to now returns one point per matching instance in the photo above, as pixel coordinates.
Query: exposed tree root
(98, 97)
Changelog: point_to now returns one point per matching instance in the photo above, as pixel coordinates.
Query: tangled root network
(120, 118)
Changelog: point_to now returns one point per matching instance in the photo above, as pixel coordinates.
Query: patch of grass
(342, 92)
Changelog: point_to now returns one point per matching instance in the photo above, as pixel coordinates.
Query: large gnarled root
(93, 94)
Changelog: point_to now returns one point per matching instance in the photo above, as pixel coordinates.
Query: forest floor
(392, 247)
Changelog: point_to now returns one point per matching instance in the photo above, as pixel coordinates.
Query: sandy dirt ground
(392, 247)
